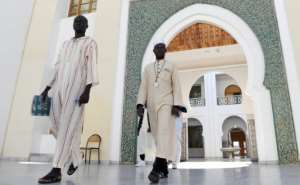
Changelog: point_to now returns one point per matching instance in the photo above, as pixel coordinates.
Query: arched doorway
(195, 139)
(238, 139)
(235, 135)
(243, 34)
(240, 26)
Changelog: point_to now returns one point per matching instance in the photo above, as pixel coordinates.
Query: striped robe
(76, 67)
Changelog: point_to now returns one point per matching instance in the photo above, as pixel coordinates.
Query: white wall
(40, 40)
(19, 131)
(15, 19)
(292, 10)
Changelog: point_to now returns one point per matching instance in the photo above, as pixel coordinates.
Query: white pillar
(216, 118)
(265, 130)
(117, 113)
(206, 126)
(211, 141)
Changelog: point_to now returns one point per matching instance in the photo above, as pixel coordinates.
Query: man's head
(80, 24)
(160, 50)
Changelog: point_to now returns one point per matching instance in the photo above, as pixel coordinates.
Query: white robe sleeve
(177, 94)
(142, 96)
(53, 75)
(91, 65)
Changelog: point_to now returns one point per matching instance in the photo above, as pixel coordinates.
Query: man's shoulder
(170, 65)
(91, 40)
(65, 43)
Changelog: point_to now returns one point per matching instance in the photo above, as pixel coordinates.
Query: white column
(216, 131)
(211, 143)
(117, 113)
(265, 131)
(206, 126)
(213, 92)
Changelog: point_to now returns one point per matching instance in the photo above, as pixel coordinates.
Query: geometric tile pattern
(252, 140)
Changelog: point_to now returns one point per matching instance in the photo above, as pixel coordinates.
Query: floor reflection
(213, 165)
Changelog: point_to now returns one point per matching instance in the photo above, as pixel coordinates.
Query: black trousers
(160, 165)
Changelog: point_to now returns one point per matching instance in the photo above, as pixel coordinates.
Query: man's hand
(85, 96)
(175, 111)
(44, 94)
(140, 110)
(140, 124)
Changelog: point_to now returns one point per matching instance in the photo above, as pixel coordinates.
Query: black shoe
(72, 169)
(164, 171)
(163, 175)
(50, 178)
(154, 177)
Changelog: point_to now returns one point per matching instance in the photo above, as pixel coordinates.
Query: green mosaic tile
(146, 16)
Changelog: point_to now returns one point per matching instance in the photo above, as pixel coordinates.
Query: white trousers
(145, 143)
(178, 139)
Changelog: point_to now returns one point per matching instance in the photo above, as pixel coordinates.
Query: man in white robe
(160, 88)
(74, 74)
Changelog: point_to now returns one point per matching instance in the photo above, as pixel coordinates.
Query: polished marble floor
(190, 173)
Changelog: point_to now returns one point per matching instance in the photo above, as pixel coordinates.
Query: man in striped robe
(74, 74)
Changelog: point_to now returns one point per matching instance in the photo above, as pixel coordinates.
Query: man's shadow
(69, 182)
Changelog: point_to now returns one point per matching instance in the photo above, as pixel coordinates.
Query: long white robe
(76, 67)
(159, 105)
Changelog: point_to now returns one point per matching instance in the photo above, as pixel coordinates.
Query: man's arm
(45, 93)
(92, 73)
(148, 121)
(178, 106)
(142, 95)
(91, 66)
(53, 75)
(140, 124)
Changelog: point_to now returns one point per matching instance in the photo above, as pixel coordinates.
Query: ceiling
(200, 35)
